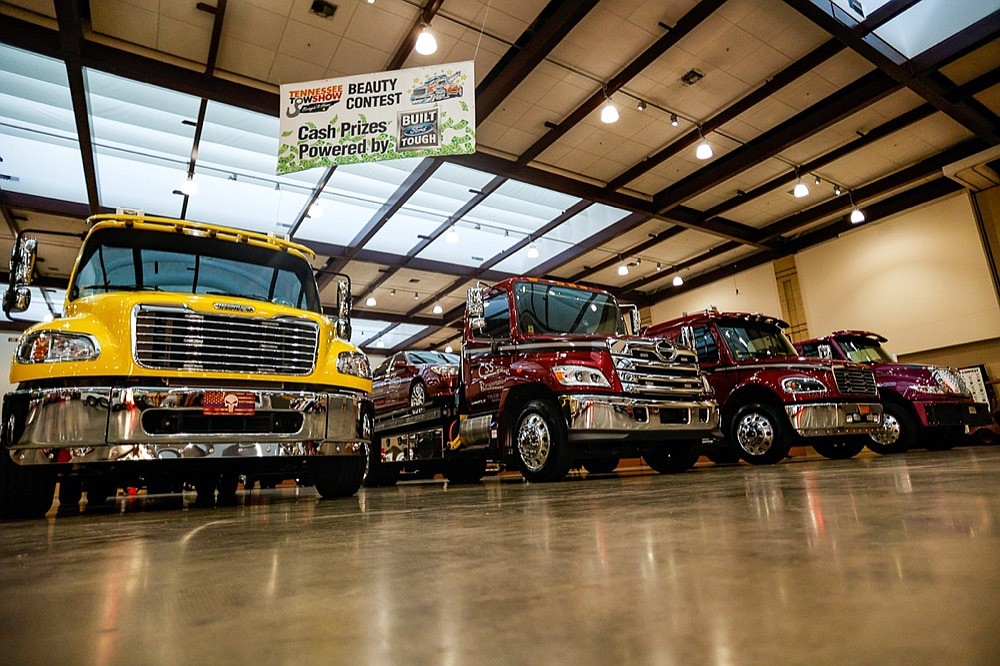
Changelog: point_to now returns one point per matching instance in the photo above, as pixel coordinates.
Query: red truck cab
(924, 406)
(771, 398)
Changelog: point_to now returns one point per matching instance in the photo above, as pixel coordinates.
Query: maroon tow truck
(550, 378)
(924, 406)
(771, 398)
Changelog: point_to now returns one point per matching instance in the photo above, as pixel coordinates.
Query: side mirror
(633, 322)
(474, 308)
(17, 298)
(687, 337)
(825, 351)
(344, 310)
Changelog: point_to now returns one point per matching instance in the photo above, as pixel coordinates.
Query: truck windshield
(754, 339)
(861, 349)
(141, 260)
(549, 308)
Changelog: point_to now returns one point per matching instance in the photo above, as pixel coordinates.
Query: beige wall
(758, 292)
(920, 278)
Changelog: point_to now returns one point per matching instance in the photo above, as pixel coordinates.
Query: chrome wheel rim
(755, 434)
(888, 434)
(534, 442)
(418, 395)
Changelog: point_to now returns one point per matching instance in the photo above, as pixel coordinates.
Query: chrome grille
(855, 380)
(178, 339)
(656, 369)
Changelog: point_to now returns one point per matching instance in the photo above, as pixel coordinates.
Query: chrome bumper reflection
(819, 419)
(99, 424)
(620, 414)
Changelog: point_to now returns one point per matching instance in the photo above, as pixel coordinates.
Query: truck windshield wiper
(249, 296)
(120, 287)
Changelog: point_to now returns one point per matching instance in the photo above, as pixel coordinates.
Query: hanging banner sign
(374, 117)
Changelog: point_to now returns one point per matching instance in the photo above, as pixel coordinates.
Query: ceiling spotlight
(416, 296)
(452, 236)
(379, 344)
(641, 106)
(448, 349)
(315, 211)
(704, 151)
(836, 190)
(438, 309)
(623, 269)
(371, 302)
(673, 119)
(392, 292)
(801, 190)
(857, 217)
(817, 181)
(658, 267)
(609, 113)
(426, 43)
(188, 187)
(678, 280)
(532, 251)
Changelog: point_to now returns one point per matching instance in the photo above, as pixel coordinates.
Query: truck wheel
(759, 433)
(674, 457)
(418, 396)
(204, 488)
(339, 477)
(601, 465)
(540, 442)
(465, 469)
(25, 491)
(898, 432)
(839, 450)
(228, 483)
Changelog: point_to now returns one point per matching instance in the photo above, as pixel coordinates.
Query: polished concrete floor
(874, 560)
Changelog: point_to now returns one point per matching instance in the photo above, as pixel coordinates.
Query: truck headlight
(578, 375)
(57, 346)
(354, 363)
(803, 385)
(944, 381)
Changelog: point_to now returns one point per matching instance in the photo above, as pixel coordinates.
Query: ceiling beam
(70, 37)
(845, 102)
(680, 266)
(313, 198)
(652, 241)
(622, 226)
(883, 15)
(972, 37)
(553, 23)
(803, 65)
(904, 201)
(983, 126)
(684, 26)
(47, 206)
(427, 14)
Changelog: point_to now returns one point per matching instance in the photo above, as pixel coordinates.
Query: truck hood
(901, 371)
(804, 362)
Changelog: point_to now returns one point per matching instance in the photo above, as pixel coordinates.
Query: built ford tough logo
(233, 307)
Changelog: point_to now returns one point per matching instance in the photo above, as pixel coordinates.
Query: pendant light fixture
(315, 211)
(678, 280)
(801, 189)
(704, 150)
(188, 187)
(371, 302)
(857, 217)
(438, 309)
(609, 112)
(532, 251)
(452, 236)
(426, 43)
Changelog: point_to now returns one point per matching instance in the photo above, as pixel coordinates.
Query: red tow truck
(550, 379)
(770, 398)
(925, 406)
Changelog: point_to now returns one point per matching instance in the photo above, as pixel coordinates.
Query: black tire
(204, 488)
(100, 491)
(541, 448)
(898, 432)
(758, 433)
(70, 493)
(377, 474)
(338, 477)
(26, 491)
(839, 450)
(227, 487)
(601, 465)
(674, 457)
(418, 396)
(465, 469)
(722, 456)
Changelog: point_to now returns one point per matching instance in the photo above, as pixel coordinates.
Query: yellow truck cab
(186, 353)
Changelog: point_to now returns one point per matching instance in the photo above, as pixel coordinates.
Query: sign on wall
(373, 117)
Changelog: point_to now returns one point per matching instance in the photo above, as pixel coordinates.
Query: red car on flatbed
(924, 406)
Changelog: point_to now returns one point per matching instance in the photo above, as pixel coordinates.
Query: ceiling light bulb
(315, 211)
(817, 181)
(857, 217)
(623, 269)
(452, 236)
(704, 150)
(673, 119)
(678, 280)
(426, 44)
(189, 187)
(379, 344)
(836, 190)
(641, 106)
(438, 309)
(801, 190)
(609, 113)
(448, 349)
(370, 301)
(416, 296)
(658, 266)
(532, 251)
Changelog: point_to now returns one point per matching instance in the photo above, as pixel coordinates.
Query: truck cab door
(488, 352)
(721, 376)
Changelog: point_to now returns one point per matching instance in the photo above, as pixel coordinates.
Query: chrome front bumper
(621, 417)
(103, 424)
(835, 418)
